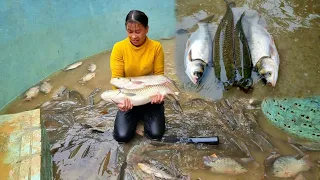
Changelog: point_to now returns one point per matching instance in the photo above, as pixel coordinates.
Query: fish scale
(147, 90)
(297, 116)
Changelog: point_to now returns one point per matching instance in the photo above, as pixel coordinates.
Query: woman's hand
(125, 105)
(157, 99)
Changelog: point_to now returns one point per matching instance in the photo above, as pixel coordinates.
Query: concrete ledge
(24, 146)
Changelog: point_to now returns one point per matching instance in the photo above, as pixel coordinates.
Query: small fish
(32, 93)
(290, 166)
(87, 77)
(224, 165)
(140, 96)
(92, 67)
(73, 66)
(198, 52)
(59, 92)
(91, 96)
(154, 171)
(45, 87)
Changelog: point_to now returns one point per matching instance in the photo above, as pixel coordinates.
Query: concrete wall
(38, 38)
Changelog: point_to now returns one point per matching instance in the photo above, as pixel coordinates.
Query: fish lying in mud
(296, 116)
(87, 77)
(139, 81)
(157, 169)
(223, 48)
(45, 87)
(59, 92)
(92, 67)
(140, 96)
(286, 166)
(243, 61)
(265, 57)
(225, 165)
(73, 66)
(32, 93)
(154, 171)
(198, 52)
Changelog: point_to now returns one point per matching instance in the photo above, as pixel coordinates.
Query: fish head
(195, 71)
(268, 69)
(112, 96)
(119, 81)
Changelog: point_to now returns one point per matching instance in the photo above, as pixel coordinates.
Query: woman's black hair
(137, 16)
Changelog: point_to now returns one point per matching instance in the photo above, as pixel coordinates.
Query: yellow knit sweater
(127, 60)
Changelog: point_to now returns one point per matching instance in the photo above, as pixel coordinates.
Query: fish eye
(267, 74)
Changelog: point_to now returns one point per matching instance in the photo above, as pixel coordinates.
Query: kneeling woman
(137, 55)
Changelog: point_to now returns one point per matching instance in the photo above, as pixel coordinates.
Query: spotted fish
(223, 47)
(243, 61)
(297, 116)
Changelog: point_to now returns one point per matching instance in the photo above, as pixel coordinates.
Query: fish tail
(205, 20)
(230, 4)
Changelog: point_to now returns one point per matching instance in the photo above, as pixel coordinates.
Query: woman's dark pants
(152, 116)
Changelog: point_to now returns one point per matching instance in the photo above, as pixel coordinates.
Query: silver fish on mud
(140, 96)
(32, 93)
(45, 87)
(139, 81)
(73, 66)
(92, 67)
(154, 171)
(198, 52)
(265, 57)
(59, 92)
(87, 77)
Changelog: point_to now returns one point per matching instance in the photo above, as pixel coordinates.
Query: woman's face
(137, 33)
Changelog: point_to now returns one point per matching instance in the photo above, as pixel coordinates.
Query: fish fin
(307, 160)
(247, 160)
(182, 31)
(188, 44)
(231, 4)
(205, 20)
(190, 55)
(175, 101)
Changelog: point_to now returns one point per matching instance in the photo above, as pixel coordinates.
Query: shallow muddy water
(295, 27)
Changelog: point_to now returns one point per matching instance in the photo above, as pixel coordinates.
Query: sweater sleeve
(116, 62)
(158, 68)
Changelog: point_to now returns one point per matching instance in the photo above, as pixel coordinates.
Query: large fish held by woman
(141, 96)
